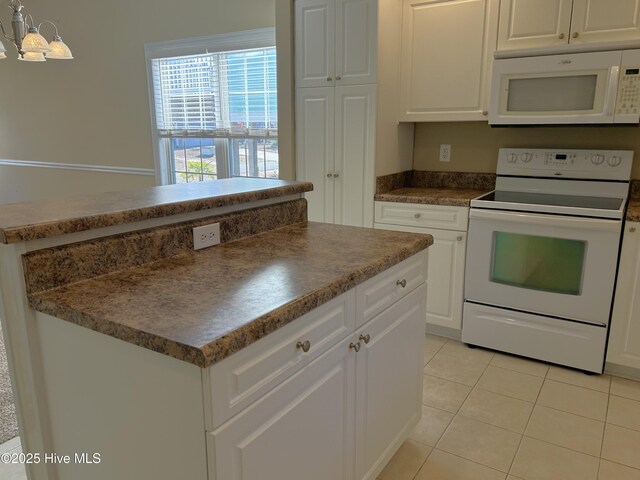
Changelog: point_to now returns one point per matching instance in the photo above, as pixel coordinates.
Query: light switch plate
(206, 236)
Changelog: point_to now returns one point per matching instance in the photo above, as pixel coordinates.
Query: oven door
(546, 264)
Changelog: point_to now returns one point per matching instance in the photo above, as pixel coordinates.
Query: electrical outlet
(206, 236)
(445, 153)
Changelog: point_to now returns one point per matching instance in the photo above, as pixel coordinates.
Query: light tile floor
(488, 415)
(491, 416)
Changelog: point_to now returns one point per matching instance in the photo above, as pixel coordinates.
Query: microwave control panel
(629, 91)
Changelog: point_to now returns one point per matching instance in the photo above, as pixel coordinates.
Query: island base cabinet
(343, 416)
(389, 378)
(303, 429)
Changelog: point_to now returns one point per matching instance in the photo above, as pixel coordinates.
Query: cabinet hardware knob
(365, 338)
(338, 77)
(336, 175)
(632, 229)
(575, 34)
(329, 79)
(355, 346)
(305, 346)
(561, 36)
(329, 175)
(485, 113)
(459, 238)
(417, 215)
(402, 283)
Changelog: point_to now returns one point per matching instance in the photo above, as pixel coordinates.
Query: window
(214, 107)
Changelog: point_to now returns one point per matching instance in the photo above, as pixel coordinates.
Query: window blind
(223, 94)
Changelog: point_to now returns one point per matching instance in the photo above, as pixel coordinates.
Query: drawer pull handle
(402, 283)
(365, 338)
(336, 175)
(561, 36)
(632, 229)
(305, 346)
(417, 215)
(329, 175)
(329, 79)
(355, 346)
(459, 238)
(575, 34)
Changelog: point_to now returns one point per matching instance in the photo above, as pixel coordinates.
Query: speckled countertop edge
(27, 221)
(392, 248)
(459, 197)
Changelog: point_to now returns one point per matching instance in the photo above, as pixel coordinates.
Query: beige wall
(474, 145)
(95, 109)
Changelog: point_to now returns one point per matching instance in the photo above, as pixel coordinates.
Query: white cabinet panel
(389, 382)
(302, 429)
(356, 33)
(596, 21)
(335, 142)
(624, 338)
(534, 23)
(314, 42)
(354, 152)
(315, 149)
(445, 278)
(447, 49)
(417, 215)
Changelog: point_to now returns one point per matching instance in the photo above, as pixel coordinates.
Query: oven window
(568, 93)
(538, 263)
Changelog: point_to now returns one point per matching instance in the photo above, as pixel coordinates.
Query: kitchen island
(291, 345)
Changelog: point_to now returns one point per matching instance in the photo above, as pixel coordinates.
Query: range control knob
(614, 161)
(597, 159)
(526, 157)
(512, 158)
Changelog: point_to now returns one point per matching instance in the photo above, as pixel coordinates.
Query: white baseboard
(443, 331)
(79, 166)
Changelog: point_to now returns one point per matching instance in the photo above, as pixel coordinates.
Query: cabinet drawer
(418, 215)
(250, 373)
(379, 292)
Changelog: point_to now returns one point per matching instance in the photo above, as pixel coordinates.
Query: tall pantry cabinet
(335, 74)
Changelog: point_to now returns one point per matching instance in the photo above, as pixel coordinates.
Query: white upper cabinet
(534, 23)
(314, 43)
(447, 53)
(528, 24)
(335, 42)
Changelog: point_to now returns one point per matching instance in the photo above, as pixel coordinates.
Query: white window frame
(259, 38)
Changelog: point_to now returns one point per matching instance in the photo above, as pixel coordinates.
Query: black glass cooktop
(600, 203)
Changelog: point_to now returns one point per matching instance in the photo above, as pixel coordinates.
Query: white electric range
(542, 255)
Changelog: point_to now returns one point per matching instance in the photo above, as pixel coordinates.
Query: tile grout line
(544, 379)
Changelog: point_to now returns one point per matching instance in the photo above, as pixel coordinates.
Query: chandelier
(31, 46)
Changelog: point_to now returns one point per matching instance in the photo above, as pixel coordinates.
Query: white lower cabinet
(343, 415)
(624, 336)
(445, 269)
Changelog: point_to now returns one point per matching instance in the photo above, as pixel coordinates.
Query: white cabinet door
(355, 129)
(445, 277)
(356, 34)
(303, 429)
(389, 382)
(315, 149)
(624, 338)
(598, 21)
(447, 54)
(314, 42)
(534, 23)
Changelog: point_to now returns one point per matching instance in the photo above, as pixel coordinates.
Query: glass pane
(552, 94)
(538, 263)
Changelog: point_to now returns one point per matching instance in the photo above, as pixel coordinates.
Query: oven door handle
(547, 220)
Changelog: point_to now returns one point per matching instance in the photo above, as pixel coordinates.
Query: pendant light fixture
(31, 45)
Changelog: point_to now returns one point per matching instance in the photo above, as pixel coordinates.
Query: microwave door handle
(614, 78)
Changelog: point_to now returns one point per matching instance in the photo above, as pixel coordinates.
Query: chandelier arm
(33, 23)
(4, 33)
(51, 23)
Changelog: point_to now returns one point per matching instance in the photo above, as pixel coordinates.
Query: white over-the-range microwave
(579, 88)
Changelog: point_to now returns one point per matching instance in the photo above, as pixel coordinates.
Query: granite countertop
(460, 197)
(633, 210)
(203, 306)
(21, 222)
